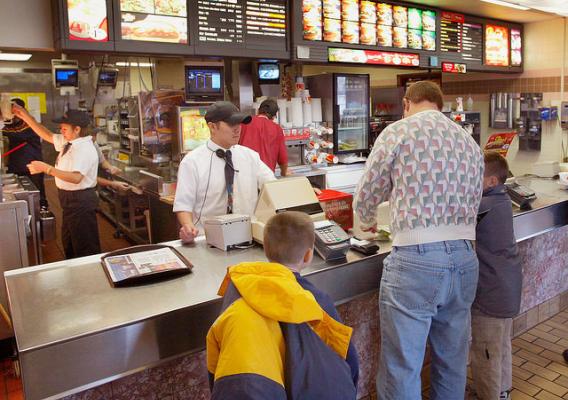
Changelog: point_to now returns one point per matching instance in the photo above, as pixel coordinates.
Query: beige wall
(26, 24)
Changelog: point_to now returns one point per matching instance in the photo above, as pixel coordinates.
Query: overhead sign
(373, 57)
(454, 68)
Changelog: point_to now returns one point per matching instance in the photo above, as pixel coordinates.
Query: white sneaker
(505, 395)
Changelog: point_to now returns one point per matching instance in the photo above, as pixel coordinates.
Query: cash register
(296, 194)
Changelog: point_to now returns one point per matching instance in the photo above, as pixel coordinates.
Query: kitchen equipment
(528, 123)
(6, 108)
(226, 231)
(501, 111)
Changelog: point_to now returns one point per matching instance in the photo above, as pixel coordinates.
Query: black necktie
(66, 148)
(229, 179)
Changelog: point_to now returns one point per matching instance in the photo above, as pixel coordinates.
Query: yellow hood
(272, 291)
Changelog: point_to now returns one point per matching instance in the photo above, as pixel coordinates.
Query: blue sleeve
(327, 304)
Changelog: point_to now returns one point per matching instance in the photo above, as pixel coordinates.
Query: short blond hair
(425, 91)
(288, 236)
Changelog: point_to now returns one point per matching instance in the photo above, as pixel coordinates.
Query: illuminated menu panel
(516, 48)
(373, 57)
(154, 20)
(220, 21)
(369, 23)
(459, 36)
(88, 20)
(496, 45)
(266, 18)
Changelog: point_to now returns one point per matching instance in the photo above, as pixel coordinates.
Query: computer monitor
(66, 77)
(268, 74)
(108, 77)
(204, 82)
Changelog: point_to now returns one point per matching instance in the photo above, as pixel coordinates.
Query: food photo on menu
(368, 12)
(400, 17)
(88, 20)
(400, 38)
(332, 9)
(368, 34)
(312, 21)
(350, 10)
(384, 35)
(154, 20)
(332, 30)
(350, 32)
(384, 14)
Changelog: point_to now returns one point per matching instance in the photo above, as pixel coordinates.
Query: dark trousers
(79, 229)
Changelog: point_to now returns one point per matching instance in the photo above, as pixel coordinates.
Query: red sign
(88, 20)
(500, 142)
(453, 17)
(373, 57)
(454, 68)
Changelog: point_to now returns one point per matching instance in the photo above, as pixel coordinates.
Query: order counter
(76, 333)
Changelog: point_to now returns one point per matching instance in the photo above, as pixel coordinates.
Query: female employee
(75, 173)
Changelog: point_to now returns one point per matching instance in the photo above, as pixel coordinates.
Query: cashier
(75, 173)
(219, 177)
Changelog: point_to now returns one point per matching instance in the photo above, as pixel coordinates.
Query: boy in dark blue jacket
(499, 287)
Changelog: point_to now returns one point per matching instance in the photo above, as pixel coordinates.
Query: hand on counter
(188, 232)
(118, 185)
(113, 170)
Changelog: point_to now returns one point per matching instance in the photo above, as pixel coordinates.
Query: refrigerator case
(345, 105)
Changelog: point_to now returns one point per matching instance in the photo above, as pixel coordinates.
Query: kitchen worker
(219, 177)
(28, 145)
(75, 173)
(266, 137)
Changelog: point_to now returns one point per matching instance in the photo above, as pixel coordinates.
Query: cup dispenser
(501, 111)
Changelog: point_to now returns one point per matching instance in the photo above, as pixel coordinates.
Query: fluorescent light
(133, 64)
(506, 4)
(14, 57)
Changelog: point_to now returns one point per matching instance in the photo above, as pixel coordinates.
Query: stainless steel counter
(75, 331)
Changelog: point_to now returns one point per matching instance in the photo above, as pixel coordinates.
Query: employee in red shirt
(266, 137)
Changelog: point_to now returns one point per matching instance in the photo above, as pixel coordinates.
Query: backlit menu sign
(454, 68)
(88, 20)
(228, 21)
(496, 45)
(154, 20)
(369, 23)
(373, 57)
(459, 36)
(516, 48)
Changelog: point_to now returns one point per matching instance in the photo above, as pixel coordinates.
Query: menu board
(220, 21)
(88, 20)
(266, 18)
(369, 23)
(154, 20)
(459, 36)
(496, 45)
(516, 48)
(373, 57)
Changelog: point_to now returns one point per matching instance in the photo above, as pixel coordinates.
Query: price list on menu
(451, 32)
(220, 21)
(266, 18)
(472, 42)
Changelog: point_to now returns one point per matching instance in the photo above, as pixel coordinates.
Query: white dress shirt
(203, 166)
(81, 157)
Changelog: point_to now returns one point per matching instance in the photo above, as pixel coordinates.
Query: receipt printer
(226, 231)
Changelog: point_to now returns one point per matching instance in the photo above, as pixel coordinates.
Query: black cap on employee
(227, 112)
(268, 107)
(74, 117)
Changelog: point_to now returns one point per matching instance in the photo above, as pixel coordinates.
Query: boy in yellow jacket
(278, 337)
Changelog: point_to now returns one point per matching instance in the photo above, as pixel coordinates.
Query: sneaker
(505, 395)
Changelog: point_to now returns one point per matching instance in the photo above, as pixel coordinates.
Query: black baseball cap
(74, 117)
(269, 107)
(227, 112)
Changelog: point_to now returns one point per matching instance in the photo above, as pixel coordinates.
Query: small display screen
(268, 73)
(67, 77)
(108, 78)
(204, 81)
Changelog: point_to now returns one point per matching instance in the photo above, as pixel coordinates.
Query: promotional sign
(454, 68)
(154, 20)
(496, 45)
(500, 142)
(373, 57)
(516, 48)
(369, 23)
(88, 20)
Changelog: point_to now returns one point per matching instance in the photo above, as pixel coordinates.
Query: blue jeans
(426, 294)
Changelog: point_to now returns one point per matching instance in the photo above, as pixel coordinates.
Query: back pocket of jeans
(468, 276)
(416, 287)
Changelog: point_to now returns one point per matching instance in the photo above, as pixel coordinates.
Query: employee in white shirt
(75, 173)
(219, 177)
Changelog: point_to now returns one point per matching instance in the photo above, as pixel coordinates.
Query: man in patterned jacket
(431, 172)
